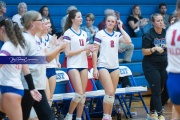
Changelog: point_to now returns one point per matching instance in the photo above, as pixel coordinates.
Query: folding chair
(125, 71)
(61, 95)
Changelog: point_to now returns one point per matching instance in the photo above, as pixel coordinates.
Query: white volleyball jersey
(173, 48)
(108, 49)
(45, 42)
(11, 73)
(38, 71)
(77, 41)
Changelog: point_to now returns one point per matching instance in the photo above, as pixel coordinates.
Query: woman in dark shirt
(155, 62)
(136, 21)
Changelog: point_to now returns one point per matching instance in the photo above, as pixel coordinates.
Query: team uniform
(77, 41)
(43, 44)
(173, 69)
(38, 72)
(11, 73)
(108, 49)
(154, 67)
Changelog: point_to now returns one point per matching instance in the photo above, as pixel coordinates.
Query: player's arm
(94, 61)
(124, 38)
(70, 53)
(28, 77)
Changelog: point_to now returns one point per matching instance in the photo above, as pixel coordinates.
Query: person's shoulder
(84, 27)
(148, 33)
(174, 26)
(8, 46)
(16, 15)
(130, 16)
(67, 31)
(95, 27)
(83, 31)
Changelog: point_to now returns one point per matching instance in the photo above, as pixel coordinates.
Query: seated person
(89, 28)
(22, 9)
(162, 11)
(137, 23)
(128, 49)
(44, 11)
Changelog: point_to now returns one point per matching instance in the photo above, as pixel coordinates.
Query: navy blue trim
(75, 32)
(108, 33)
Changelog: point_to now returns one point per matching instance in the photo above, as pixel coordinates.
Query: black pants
(42, 108)
(156, 76)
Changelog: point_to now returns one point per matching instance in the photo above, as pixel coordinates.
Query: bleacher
(57, 9)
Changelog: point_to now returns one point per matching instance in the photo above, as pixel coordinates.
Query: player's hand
(95, 73)
(59, 65)
(36, 95)
(120, 24)
(159, 49)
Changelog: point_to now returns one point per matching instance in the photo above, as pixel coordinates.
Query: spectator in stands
(137, 23)
(45, 12)
(2, 8)
(63, 20)
(77, 63)
(128, 49)
(22, 9)
(155, 62)
(89, 28)
(107, 12)
(103, 68)
(162, 11)
(2, 12)
(173, 68)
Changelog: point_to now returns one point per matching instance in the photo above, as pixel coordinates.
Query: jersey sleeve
(67, 37)
(146, 41)
(7, 49)
(98, 38)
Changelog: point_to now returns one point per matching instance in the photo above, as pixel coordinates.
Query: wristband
(29, 81)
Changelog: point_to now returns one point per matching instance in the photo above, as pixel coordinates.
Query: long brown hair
(13, 32)
(71, 15)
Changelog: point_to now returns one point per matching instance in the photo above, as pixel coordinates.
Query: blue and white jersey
(108, 49)
(77, 41)
(11, 73)
(45, 43)
(173, 48)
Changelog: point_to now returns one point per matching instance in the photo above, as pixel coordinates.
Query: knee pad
(82, 101)
(77, 97)
(108, 99)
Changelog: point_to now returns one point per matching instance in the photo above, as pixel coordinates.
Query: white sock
(105, 115)
(68, 114)
(109, 116)
(78, 118)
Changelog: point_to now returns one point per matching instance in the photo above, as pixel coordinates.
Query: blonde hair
(133, 8)
(29, 16)
(91, 16)
(109, 12)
